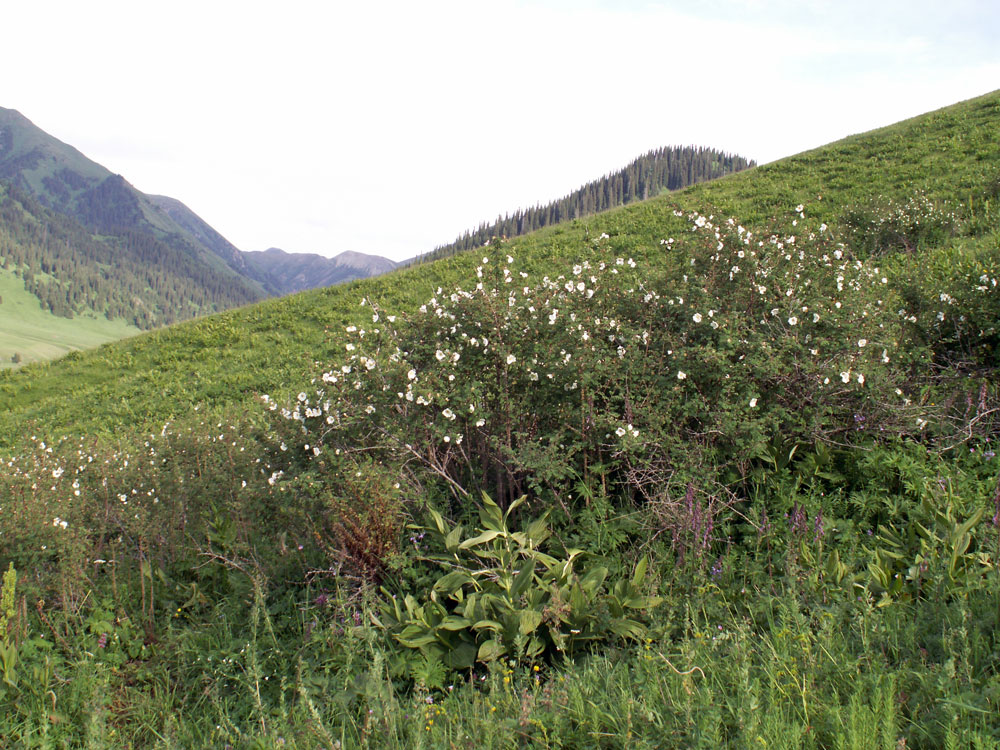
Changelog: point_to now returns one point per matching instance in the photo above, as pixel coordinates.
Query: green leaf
(488, 625)
(462, 656)
(530, 619)
(593, 580)
(451, 540)
(627, 629)
(535, 647)
(437, 521)
(486, 536)
(490, 650)
(454, 623)
(490, 514)
(513, 505)
(640, 573)
(448, 583)
(524, 578)
(538, 530)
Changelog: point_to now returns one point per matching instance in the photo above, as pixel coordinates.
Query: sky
(391, 127)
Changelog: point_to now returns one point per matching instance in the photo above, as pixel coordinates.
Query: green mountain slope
(167, 269)
(127, 274)
(30, 333)
(655, 172)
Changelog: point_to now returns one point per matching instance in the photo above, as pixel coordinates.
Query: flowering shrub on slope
(633, 378)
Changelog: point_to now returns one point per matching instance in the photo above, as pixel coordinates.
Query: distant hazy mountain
(106, 247)
(296, 272)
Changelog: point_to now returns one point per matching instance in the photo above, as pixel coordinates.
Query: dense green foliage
(657, 171)
(716, 469)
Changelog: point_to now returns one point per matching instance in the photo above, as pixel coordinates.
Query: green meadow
(31, 334)
(716, 469)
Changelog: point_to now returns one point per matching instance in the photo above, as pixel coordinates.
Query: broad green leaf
(640, 573)
(513, 505)
(437, 521)
(454, 623)
(530, 619)
(462, 656)
(535, 647)
(486, 536)
(523, 578)
(490, 650)
(642, 602)
(451, 541)
(593, 580)
(538, 530)
(490, 514)
(448, 583)
(627, 629)
(487, 625)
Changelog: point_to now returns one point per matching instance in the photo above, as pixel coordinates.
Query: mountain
(296, 272)
(86, 242)
(180, 268)
(195, 226)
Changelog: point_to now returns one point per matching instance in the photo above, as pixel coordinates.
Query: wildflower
(411, 375)
(696, 317)
(681, 375)
(792, 320)
(511, 359)
(862, 343)
(448, 414)
(753, 403)
(845, 376)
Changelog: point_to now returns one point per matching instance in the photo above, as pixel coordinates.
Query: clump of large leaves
(501, 595)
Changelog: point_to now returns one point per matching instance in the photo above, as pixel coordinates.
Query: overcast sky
(391, 127)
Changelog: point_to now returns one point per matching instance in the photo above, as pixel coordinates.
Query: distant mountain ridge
(296, 272)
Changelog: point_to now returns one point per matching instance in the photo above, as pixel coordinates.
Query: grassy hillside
(949, 155)
(31, 334)
(713, 470)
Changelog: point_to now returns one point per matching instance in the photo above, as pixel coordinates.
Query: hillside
(658, 171)
(170, 265)
(31, 333)
(946, 155)
(718, 466)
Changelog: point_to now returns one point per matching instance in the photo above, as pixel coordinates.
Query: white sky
(391, 127)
